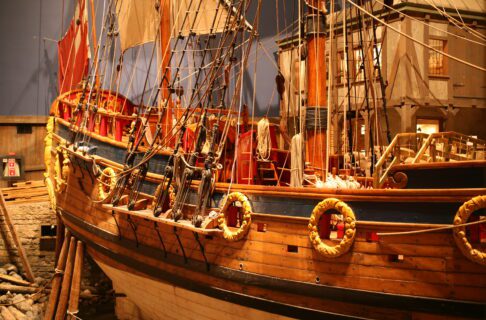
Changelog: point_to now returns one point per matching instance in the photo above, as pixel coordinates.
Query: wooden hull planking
(275, 269)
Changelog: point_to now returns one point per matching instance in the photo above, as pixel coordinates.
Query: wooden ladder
(267, 173)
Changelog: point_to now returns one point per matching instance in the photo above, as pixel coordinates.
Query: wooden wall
(28, 145)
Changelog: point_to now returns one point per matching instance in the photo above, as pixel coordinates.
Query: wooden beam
(14, 280)
(36, 120)
(23, 257)
(60, 236)
(66, 282)
(56, 281)
(76, 282)
(17, 289)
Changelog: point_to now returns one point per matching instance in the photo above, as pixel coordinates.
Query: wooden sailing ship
(196, 211)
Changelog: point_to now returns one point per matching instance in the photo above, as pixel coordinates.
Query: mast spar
(316, 110)
(165, 35)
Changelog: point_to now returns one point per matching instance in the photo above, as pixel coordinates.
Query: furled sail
(73, 50)
(203, 17)
(137, 21)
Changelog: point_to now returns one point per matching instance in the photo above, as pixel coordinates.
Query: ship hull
(275, 271)
(155, 299)
(279, 297)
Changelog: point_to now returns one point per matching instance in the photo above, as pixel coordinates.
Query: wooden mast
(316, 110)
(165, 35)
(95, 43)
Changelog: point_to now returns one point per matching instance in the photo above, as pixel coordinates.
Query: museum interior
(242, 159)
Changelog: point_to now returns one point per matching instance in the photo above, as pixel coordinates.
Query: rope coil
(264, 143)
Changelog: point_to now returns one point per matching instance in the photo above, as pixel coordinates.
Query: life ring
(238, 234)
(106, 181)
(61, 169)
(51, 193)
(462, 217)
(349, 228)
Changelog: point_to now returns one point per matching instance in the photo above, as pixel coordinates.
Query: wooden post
(56, 281)
(67, 111)
(316, 88)
(79, 118)
(119, 129)
(23, 257)
(91, 121)
(95, 43)
(76, 283)
(104, 126)
(60, 232)
(66, 282)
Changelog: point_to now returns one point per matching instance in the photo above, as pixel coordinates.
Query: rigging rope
(384, 234)
(455, 22)
(417, 41)
(428, 24)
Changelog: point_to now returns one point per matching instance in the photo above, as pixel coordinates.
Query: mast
(95, 42)
(165, 36)
(316, 110)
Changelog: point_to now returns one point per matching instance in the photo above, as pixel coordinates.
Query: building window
(437, 61)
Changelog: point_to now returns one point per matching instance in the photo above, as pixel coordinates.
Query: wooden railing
(105, 123)
(451, 146)
(421, 147)
(402, 149)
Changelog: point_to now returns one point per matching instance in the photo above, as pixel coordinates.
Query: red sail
(73, 51)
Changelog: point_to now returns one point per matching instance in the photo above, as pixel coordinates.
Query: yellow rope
(449, 227)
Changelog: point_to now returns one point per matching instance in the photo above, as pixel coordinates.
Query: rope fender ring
(240, 233)
(61, 169)
(462, 216)
(349, 228)
(107, 180)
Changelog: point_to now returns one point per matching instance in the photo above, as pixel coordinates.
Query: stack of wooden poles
(64, 297)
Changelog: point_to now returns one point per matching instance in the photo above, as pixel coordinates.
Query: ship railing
(402, 149)
(451, 146)
(105, 123)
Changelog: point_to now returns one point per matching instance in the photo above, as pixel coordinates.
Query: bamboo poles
(64, 297)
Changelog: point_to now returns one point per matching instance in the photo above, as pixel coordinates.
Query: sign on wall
(12, 167)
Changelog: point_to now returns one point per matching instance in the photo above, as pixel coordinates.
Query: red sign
(11, 168)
